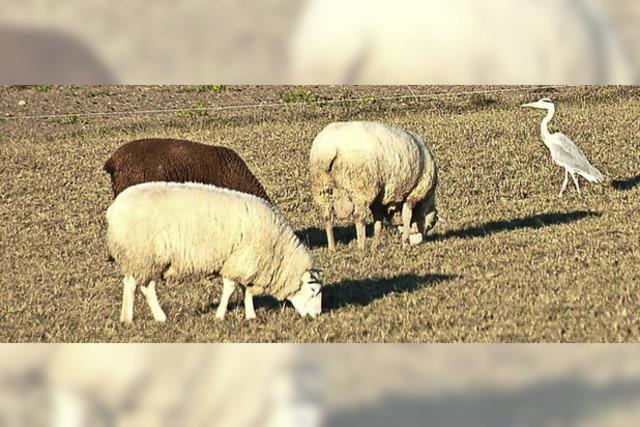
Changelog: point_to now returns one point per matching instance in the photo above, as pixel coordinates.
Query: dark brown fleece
(147, 160)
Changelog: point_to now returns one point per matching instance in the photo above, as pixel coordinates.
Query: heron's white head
(543, 104)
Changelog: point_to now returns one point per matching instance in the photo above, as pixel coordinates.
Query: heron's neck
(544, 126)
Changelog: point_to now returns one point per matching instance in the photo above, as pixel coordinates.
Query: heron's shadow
(527, 222)
(626, 184)
(315, 237)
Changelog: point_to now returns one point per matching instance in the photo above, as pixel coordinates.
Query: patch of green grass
(299, 94)
(71, 119)
(207, 88)
(198, 110)
(96, 93)
(41, 88)
(369, 99)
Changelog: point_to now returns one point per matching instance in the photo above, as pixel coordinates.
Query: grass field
(513, 262)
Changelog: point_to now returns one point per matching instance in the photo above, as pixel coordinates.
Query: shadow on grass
(626, 184)
(314, 237)
(532, 222)
(348, 292)
(262, 301)
(363, 292)
(562, 401)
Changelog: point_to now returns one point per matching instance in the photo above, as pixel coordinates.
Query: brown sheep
(175, 160)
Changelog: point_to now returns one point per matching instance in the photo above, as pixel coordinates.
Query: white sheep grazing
(360, 166)
(159, 230)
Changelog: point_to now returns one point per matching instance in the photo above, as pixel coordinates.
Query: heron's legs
(249, 312)
(149, 293)
(575, 181)
(564, 183)
(228, 286)
(128, 297)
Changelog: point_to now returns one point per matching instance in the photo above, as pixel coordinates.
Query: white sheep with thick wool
(160, 230)
(362, 166)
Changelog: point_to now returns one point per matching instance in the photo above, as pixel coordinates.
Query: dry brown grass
(513, 262)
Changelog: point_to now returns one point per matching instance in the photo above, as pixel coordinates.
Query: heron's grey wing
(569, 155)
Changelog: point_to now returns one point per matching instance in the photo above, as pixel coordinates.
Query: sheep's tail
(322, 157)
(109, 167)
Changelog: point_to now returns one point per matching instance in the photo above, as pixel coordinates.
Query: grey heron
(563, 151)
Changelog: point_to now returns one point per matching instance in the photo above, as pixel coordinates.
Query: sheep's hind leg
(330, 237)
(149, 293)
(249, 312)
(228, 286)
(128, 296)
(361, 234)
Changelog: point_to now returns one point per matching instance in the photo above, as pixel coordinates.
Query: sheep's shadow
(314, 237)
(263, 301)
(364, 291)
(626, 184)
(528, 222)
(346, 293)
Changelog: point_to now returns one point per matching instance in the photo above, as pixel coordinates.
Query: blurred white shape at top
(465, 41)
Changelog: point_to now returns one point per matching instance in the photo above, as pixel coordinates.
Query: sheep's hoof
(250, 316)
(415, 239)
(220, 316)
(161, 319)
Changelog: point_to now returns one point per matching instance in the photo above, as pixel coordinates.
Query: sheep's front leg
(378, 218)
(128, 296)
(407, 213)
(149, 293)
(249, 312)
(228, 286)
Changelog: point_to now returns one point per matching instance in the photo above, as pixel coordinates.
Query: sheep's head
(308, 299)
(394, 215)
